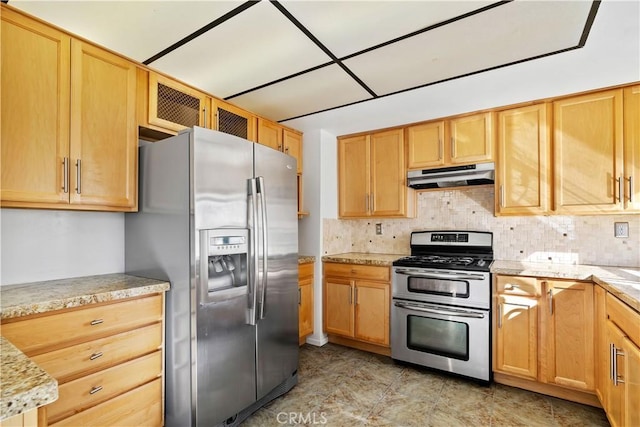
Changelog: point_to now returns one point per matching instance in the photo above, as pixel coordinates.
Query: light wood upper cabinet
(354, 181)
(568, 334)
(293, 146)
(230, 119)
(372, 176)
(69, 133)
(588, 147)
(425, 145)
(104, 134)
(35, 111)
(523, 177)
(471, 138)
(269, 134)
(460, 140)
(173, 106)
(632, 148)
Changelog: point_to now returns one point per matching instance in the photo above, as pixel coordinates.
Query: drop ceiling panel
(346, 27)
(256, 47)
(136, 29)
(314, 91)
(512, 32)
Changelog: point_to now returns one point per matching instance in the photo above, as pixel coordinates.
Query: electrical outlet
(621, 229)
(378, 228)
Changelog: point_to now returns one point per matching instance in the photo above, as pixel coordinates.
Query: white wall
(46, 245)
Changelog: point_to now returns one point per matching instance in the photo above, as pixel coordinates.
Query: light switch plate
(621, 229)
(378, 228)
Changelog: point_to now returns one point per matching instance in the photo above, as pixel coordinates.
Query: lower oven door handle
(441, 276)
(459, 313)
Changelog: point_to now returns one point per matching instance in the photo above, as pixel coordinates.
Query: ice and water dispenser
(226, 253)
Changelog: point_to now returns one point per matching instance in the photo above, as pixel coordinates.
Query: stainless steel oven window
(442, 337)
(450, 288)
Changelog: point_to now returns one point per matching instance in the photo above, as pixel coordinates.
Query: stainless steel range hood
(455, 176)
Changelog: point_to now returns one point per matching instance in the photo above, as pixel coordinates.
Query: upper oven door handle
(444, 312)
(441, 275)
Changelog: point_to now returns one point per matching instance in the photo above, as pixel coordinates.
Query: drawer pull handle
(95, 355)
(96, 322)
(94, 390)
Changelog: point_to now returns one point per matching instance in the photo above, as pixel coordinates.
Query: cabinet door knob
(96, 389)
(95, 355)
(96, 322)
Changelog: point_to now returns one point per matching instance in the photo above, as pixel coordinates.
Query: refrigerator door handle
(265, 243)
(253, 258)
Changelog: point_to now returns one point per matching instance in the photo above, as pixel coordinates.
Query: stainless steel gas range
(441, 311)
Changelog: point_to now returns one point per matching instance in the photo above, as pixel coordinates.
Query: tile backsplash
(557, 239)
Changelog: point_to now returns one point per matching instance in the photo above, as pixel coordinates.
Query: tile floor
(339, 386)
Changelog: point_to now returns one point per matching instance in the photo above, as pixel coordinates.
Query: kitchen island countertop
(25, 385)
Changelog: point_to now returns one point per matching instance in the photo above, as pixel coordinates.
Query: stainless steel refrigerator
(218, 219)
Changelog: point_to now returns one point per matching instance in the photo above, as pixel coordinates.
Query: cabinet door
(104, 134)
(601, 344)
(388, 174)
(588, 153)
(230, 119)
(269, 134)
(523, 178)
(517, 336)
(471, 138)
(305, 308)
(338, 306)
(615, 396)
(353, 176)
(35, 114)
(175, 106)
(568, 328)
(632, 385)
(632, 147)
(293, 146)
(372, 312)
(425, 145)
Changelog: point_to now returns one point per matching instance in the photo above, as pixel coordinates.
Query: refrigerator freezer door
(225, 357)
(277, 351)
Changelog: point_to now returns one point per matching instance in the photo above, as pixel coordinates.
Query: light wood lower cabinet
(26, 419)
(107, 358)
(619, 347)
(544, 334)
(357, 305)
(305, 301)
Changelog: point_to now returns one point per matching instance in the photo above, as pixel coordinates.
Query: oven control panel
(450, 237)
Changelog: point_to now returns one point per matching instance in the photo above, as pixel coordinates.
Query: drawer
(357, 271)
(305, 271)
(516, 285)
(89, 391)
(34, 336)
(78, 360)
(140, 407)
(627, 319)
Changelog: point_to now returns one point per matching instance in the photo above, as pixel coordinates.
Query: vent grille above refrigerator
(233, 124)
(178, 107)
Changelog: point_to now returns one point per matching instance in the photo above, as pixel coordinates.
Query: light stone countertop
(306, 259)
(385, 260)
(25, 385)
(623, 282)
(41, 297)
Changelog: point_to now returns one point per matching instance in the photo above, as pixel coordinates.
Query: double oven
(441, 307)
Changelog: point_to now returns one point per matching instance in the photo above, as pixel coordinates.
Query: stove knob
(481, 263)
